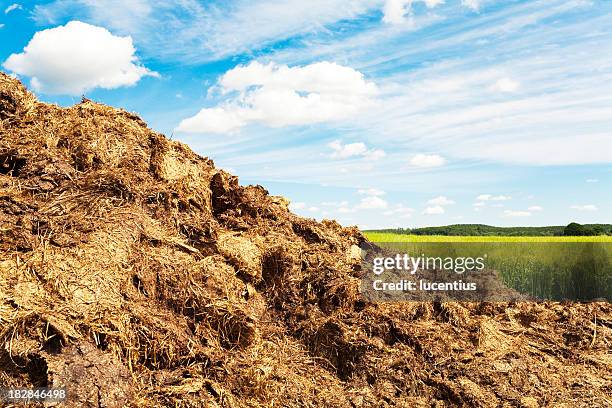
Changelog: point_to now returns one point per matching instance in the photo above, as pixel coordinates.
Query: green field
(557, 268)
(393, 237)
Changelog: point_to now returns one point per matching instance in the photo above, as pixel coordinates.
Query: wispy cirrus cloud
(202, 31)
(12, 7)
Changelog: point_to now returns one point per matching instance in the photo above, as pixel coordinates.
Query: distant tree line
(573, 229)
(576, 230)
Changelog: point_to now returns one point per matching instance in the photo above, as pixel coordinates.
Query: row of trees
(577, 230)
(573, 229)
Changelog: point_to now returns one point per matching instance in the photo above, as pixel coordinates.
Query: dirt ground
(134, 273)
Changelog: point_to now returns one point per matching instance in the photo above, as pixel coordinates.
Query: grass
(556, 268)
(391, 237)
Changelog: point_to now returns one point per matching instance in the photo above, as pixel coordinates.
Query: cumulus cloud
(372, 202)
(584, 207)
(278, 95)
(77, 57)
(441, 200)
(371, 192)
(358, 149)
(434, 210)
(535, 208)
(347, 150)
(427, 160)
(510, 213)
(12, 7)
(506, 85)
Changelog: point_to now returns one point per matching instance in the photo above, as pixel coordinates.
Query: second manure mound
(135, 273)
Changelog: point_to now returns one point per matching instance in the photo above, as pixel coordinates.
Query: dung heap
(135, 273)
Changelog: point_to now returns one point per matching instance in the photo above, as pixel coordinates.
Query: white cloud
(395, 11)
(509, 213)
(585, 207)
(371, 192)
(592, 180)
(358, 149)
(535, 208)
(297, 206)
(427, 160)
(346, 210)
(400, 211)
(472, 4)
(375, 154)
(441, 200)
(433, 3)
(279, 95)
(77, 57)
(348, 150)
(313, 209)
(434, 210)
(334, 203)
(372, 202)
(12, 7)
(501, 198)
(489, 197)
(479, 204)
(506, 85)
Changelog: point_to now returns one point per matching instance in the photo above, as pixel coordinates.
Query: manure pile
(135, 273)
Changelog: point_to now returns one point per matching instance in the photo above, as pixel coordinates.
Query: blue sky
(378, 113)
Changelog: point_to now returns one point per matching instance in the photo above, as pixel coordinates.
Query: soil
(135, 273)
